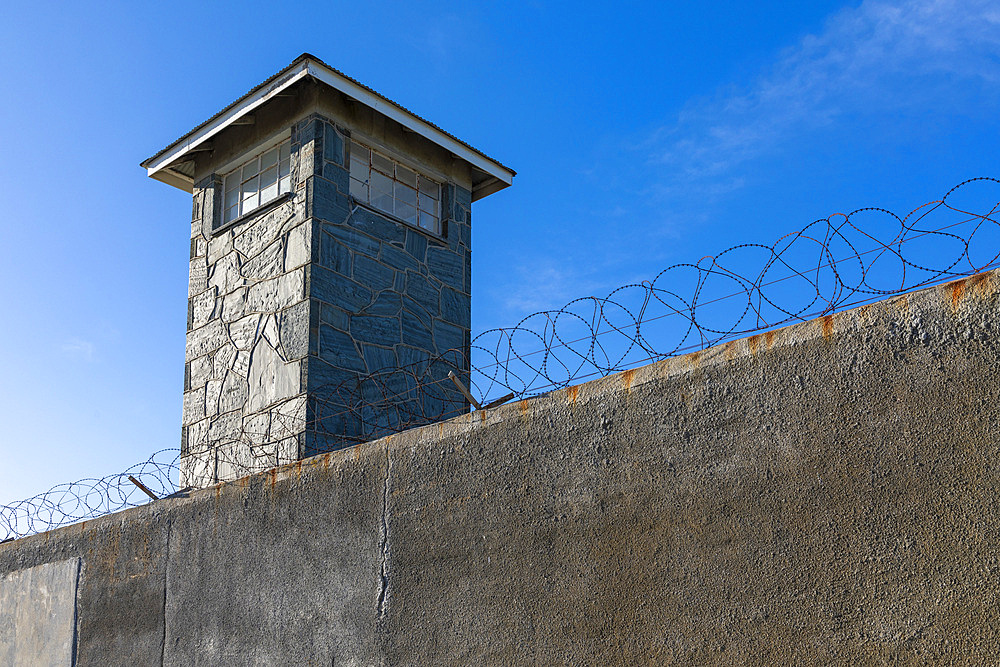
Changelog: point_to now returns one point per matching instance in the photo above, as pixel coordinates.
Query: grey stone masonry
(315, 322)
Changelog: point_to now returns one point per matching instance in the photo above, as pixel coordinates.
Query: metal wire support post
(465, 392)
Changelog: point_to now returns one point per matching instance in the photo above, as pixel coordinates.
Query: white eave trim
(409, 121)
(205, 133)
(158, 167)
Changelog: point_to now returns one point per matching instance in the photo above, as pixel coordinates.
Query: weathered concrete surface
(827, 493)
(38, 614)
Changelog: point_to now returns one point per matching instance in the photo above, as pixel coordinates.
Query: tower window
(396, 189)
(257, 181)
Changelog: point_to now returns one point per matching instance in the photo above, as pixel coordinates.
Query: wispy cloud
(78, 349)
(879, 57)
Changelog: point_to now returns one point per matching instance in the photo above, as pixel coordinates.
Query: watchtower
(329, 291)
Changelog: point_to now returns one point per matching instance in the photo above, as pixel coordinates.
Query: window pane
(251, 168)
(358, 151)
(284, 185)
(269, 184)
(428, 204)
(359, 190)
(406, 194)
(430, 188)
(406, 176)
(359, 168)
(381, 184)
(284, 151)
(250, 198)
(269, 159)
(430, 222)
(382, 164)
(231, 213)
(232, 198)
(406, 212)
(381, 201)
(232, 181)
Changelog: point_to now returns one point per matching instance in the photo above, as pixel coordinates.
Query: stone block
(378, 227)
(456, 307)
(241, 363)
(336, 289)
(353, 239)
(372, 274)
(325, 201)
(222, 361)
(197, 276)
(243, 332)
(213, 391)
(445, 265)
(254, 235)
(387, 303)
(234, 304)
(416, 245)
(204, 340)
(415, 333)
(219, 246)
(338, 318)
(335, 255)
(225, 274)
(298, 246)
(379, 358)
(294, 330)
(397, 258)
(267, 264)
(203, 307)
(233, 392)
(375, 329)
(200, 370)
(337, 175)
(325, 377)
(271, 379)
(422, 291)
(412, 359)
(194, 406)
(197, 470)
(337, 348)
(333, 145)
(447, 337)
(272, 295)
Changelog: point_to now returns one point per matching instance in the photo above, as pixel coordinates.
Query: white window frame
(390, 186)
(242, 193)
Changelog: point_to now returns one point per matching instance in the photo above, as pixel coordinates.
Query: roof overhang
(169, 166)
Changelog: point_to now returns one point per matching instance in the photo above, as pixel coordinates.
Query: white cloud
(877, 58)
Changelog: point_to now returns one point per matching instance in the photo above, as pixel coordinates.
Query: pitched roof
(164, 165)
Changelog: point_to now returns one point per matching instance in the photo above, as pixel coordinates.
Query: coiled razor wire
(830, 264)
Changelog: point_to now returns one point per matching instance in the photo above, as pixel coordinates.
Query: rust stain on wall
(957, 289)
(769, 339)
(627, 378)
(730, 349)
(827, 323)
(753, 343)
(572, 393)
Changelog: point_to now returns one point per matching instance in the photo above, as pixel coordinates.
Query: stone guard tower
(329, 291)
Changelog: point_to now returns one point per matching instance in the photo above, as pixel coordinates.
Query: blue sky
(644, 134)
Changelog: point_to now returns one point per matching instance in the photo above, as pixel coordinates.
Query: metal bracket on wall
(471, 399)
(143, 487)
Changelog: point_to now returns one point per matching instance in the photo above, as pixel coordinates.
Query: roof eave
(158, 166)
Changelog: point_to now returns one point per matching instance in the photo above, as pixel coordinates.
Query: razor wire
(830, 264)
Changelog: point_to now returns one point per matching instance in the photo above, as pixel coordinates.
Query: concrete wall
(826, 493)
